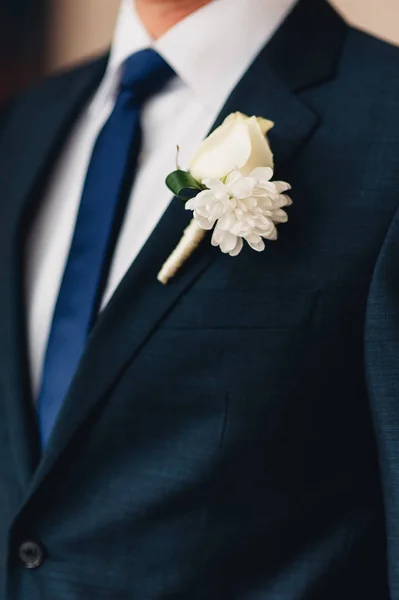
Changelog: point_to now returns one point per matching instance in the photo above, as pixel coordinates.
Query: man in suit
(232, 435)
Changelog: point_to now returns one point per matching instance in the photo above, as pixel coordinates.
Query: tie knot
(144, 74)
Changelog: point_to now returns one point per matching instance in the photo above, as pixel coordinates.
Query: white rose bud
(240, 143)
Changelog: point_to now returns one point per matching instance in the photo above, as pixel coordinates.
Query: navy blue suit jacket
(235, 434)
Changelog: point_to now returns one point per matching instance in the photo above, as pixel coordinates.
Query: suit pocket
(277, 309)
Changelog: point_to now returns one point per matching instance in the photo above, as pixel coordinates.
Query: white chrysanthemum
(242, 208)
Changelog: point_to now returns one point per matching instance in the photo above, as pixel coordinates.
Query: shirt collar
(209, 50)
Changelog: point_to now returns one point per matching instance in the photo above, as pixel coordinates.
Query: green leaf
(178, 181)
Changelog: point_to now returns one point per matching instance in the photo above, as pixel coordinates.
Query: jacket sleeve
(5, 110)
(382, 373)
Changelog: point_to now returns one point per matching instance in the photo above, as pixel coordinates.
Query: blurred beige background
(83, 27)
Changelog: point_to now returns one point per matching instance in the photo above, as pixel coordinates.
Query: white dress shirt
(210, 51)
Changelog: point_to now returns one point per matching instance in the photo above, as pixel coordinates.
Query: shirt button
(31, 554)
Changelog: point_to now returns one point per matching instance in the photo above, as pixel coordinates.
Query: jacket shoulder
(371, 54)
(47, 90)
(367, 80)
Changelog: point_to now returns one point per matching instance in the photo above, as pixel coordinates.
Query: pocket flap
(219, 309)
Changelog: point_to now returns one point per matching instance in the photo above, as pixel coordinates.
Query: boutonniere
(230, 190)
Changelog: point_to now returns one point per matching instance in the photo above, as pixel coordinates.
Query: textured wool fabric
(180, 114)
(112, 168)
(233, 435)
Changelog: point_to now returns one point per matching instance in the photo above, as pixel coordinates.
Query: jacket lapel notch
(306, 50)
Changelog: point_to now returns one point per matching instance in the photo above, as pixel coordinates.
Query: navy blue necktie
(106, 189)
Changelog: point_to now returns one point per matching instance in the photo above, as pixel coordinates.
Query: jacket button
(31, 554)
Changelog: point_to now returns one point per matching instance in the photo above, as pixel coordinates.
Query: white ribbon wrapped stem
(192, 237)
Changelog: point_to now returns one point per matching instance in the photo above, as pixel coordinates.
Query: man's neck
(160, 15)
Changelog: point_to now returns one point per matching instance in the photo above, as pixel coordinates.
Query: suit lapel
(140, 302)
(25, 160)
